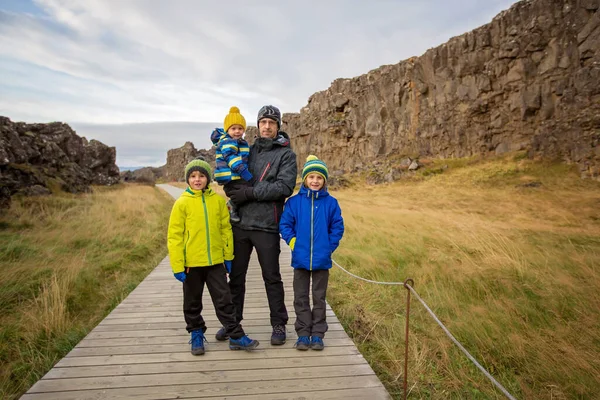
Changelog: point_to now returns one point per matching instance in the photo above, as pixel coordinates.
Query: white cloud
(111, 62)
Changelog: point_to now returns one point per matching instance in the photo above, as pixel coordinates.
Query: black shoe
(278, 335)
(221, 336)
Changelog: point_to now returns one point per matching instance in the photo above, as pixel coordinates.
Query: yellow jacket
(199, 230)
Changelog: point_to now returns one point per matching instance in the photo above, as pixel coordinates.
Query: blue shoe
(316, 343)
(197, 342)
(243, 343)
(303, 343)
(278, 335)
(221, 336)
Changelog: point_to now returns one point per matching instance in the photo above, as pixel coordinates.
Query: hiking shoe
(278, 335)
(316, 343)
(197, 342)
(221, 336)
(243, 343)
(303, 343)
(233, 215)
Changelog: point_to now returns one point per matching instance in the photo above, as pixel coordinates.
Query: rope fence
(408, 284)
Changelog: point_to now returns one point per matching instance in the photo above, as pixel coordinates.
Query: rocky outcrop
(41, 158)
(178, 158)
(147, 175)
(529, 80)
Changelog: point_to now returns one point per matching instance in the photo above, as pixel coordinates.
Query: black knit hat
(198, 164)
(270, 112)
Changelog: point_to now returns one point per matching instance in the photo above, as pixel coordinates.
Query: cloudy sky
(148, 75)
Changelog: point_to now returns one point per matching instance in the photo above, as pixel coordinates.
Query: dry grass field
(65, 262)
(506, 252)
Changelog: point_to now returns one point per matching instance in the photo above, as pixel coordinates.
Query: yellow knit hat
(234, 118)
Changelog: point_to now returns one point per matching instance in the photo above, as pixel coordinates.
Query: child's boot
(221, 335)
(316, 343)
(303, 343)
(197, 342)
(243, 343)
(233, 215)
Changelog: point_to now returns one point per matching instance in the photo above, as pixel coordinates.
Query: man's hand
(242, 195)
(227, 266)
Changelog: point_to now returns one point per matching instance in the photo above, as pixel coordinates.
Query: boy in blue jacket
(231, 156)
(312, 226)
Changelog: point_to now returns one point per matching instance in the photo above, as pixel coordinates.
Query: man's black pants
(216, 281)
(267, 249)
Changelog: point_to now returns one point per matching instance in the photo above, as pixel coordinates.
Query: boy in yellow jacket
(200, 243)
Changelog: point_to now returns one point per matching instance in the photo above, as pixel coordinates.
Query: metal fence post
(412, 283)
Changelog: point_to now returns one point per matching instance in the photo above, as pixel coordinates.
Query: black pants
(310, 323)
(216, 281)
(267, 249)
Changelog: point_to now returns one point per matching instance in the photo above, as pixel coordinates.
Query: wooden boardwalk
(141, 351)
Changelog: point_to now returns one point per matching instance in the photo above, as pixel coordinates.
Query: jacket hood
(217, 135)
(306, 192)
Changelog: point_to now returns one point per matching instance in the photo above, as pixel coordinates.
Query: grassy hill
(505, 251)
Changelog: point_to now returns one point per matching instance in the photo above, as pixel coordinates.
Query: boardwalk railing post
(412, 283)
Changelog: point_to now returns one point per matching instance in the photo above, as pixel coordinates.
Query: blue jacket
(231, 157)
(314, 218)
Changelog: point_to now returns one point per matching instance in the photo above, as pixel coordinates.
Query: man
(272, 163)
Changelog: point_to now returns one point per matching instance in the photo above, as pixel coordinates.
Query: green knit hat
(314, 166)
(198, 164)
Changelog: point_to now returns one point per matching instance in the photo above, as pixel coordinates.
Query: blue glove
(180, 276)
(246, 175)
(227, 266)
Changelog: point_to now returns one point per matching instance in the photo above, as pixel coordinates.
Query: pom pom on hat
(198, 164)
(314, 166)
(234, 118)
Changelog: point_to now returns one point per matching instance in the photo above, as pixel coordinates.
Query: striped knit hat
(198, 164)
(314, 166)
(234, 118)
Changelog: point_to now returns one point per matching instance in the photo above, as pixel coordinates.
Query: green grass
(65, 262)
(512, 270)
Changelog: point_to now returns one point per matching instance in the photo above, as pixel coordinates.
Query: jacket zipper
(264, 172)
(312, 215)
(207, 231)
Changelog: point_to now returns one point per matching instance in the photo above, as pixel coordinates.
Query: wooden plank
(108, 334)
(169, 325)
(177, 318)
(181, 347)
(221, 390)
(267, 353)
(205, 365)
(183, 337)
(206, 377)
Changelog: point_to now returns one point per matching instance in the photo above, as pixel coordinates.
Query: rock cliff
(178, 158)
(529, 80)
(39, 158)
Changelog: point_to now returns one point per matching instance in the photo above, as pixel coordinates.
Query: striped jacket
(231, 157)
